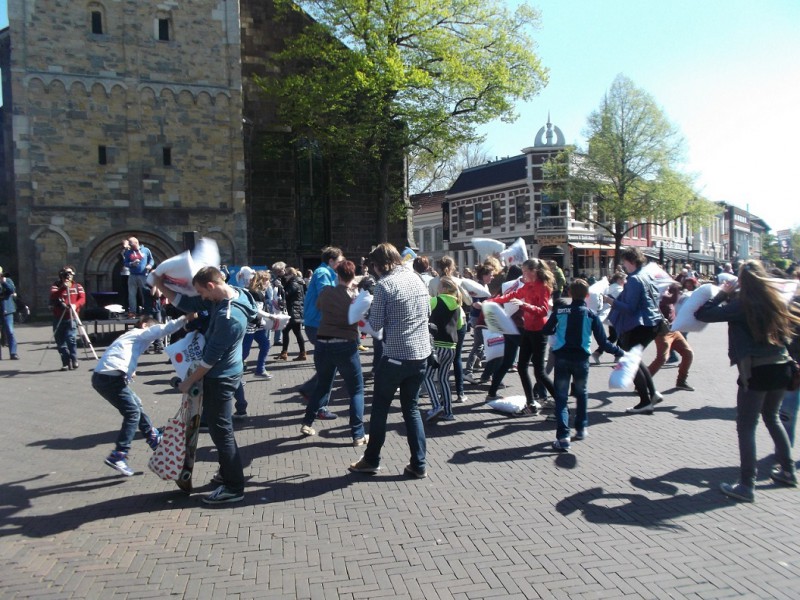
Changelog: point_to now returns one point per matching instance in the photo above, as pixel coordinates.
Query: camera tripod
(87, 343)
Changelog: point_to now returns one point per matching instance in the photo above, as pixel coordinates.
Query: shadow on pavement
(618, 508)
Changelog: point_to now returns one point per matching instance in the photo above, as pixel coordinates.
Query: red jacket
(536, 304)
(60, 296)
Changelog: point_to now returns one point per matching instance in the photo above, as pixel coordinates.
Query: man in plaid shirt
(401, 307)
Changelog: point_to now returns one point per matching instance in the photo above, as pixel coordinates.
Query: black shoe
(14, 357)
(75, 364)
(417, 473)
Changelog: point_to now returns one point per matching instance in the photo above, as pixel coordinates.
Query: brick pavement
(634, 511)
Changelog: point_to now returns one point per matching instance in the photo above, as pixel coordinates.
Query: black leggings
(533, 348)
(643, 381)
(293, 325)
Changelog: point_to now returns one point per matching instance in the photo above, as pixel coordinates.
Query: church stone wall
(141, 99)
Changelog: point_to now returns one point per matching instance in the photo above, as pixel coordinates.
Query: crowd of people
(424, 314)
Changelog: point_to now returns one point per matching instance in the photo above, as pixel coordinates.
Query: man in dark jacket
(221, 369)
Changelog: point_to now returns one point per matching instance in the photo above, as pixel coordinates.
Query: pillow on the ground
(511, 405)
(684, 318)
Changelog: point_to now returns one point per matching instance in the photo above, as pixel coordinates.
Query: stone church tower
(121, 118)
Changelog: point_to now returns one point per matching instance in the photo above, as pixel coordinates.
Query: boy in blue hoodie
(574, 325)
(229, 309)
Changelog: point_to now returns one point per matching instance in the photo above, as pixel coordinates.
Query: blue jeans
(8, 333)
(240, 402)
(260, 337)
(407, 375)
(788, 413)
(115, 389)
(217, 406)
(578, 370)
(309, 386)
(66, 339)
(341, 356)
(136, 283)
(749, 405)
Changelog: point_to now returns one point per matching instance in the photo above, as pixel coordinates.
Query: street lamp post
(714, 254)
(688, 250)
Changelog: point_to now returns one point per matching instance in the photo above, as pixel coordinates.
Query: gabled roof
(491, 174)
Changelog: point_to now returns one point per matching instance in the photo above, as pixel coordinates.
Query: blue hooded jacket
(226, 328)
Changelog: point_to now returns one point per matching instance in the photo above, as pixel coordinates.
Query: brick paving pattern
(632, 512)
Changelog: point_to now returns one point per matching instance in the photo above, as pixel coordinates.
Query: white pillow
(359, 307)
(511, 405)
(624, 371)
(497, 319)
(684, 317)
(516, 253)
(494, 345)
(487, 246)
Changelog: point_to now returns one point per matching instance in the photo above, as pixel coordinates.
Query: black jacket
(295, 291)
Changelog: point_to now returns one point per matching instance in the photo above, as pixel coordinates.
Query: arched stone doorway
(104, 261)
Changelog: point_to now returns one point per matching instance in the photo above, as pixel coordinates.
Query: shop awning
(587, 246)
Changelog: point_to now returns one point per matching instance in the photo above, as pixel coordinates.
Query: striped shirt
(401, 307)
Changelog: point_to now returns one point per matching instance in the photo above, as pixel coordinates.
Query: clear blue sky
(726, 72)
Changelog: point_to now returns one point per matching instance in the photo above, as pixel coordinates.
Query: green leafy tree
(377, 80)
(629, 169)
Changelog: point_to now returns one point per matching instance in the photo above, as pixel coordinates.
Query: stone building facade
(139, 118)
(122, 118)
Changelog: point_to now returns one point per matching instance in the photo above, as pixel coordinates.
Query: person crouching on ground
(446, 321)
(112, 378)
(337, 350)
(573, 325)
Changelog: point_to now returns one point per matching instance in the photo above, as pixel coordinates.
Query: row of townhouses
(505, 200)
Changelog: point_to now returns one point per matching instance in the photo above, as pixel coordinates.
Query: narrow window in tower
(163, 30)
(167, 153)
(102, 155)
(97, 22)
